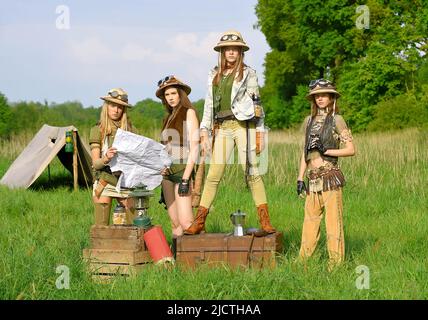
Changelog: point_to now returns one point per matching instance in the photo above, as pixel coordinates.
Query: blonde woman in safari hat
(180, 133)
(229, 106)
(327, 138)
(114, 115)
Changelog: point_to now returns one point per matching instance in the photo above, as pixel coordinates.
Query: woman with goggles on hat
(326, 139)
(180, 133)
(114, 115)
(229, 106)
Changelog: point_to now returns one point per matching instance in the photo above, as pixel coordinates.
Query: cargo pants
(317, 204)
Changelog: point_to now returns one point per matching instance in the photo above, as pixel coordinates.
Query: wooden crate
(116, 250)
(217, 249)
(117, 238)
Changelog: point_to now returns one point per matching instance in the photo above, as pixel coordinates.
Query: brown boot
(102, 213)
(198, 224)
(262, 211)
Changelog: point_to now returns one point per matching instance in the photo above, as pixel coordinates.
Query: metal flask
(69, 141)
(238, 221)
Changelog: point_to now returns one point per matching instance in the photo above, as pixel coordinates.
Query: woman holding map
(114, 115)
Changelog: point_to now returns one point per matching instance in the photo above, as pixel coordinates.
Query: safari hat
(170, 81)
(321, 86)
(117, 95)
(231, 38)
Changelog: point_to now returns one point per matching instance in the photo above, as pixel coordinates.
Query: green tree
(320, 38)
(5, 117)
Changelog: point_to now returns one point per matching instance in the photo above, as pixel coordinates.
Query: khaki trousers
(330, 203)
(230, 134)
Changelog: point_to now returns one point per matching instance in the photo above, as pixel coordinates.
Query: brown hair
(184, 103)
(106, 124)
(238, 68)
(314, 106)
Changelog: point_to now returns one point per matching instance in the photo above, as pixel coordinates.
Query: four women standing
(232, 117)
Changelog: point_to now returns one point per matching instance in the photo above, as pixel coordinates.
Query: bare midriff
(315, 160)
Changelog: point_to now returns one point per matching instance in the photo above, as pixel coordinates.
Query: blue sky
(129, 44)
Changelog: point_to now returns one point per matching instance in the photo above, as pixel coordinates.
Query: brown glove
(259, 142)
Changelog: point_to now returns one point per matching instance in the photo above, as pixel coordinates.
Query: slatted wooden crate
(116, 250)
(217, 249)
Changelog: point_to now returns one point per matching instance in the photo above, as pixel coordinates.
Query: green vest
(222, 96)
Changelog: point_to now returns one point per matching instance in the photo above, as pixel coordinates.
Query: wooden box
(116, 250)
(220, 248)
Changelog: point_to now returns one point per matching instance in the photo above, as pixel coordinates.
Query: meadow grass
(385, 219)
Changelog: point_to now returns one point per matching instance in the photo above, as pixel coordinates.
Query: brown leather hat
(170, 81)
(117, 95)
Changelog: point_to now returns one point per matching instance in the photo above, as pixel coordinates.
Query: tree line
(374, 50)
(30, 116)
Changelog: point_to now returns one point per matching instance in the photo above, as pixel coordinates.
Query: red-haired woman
(180, 133)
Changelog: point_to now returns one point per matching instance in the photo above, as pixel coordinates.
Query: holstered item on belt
(216, 127)
(325, 179)
(258, 110)
(198, 183)
(100, 187)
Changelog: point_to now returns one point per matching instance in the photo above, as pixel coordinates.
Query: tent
(48, 143)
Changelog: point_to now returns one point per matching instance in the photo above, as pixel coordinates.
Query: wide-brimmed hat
(170, 81)
(321, 86)
(117, 95)
(231, 38)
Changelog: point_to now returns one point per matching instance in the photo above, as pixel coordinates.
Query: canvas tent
(48, 143)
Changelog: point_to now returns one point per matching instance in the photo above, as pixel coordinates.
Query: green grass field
(386, 229)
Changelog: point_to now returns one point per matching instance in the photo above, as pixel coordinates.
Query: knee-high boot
(262, 211)
(198, 224)
(102, 213)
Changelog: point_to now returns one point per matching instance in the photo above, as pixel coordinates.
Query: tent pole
(49, 173)
(75, 172)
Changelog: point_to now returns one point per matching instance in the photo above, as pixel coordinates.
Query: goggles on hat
(162, 81)
(228, 37)
(320, 82)
(115, 94)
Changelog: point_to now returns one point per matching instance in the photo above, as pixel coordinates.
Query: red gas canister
(158, 246)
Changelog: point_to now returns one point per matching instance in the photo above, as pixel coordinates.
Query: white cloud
(136, 52)
(193, 44)
(91, 51)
